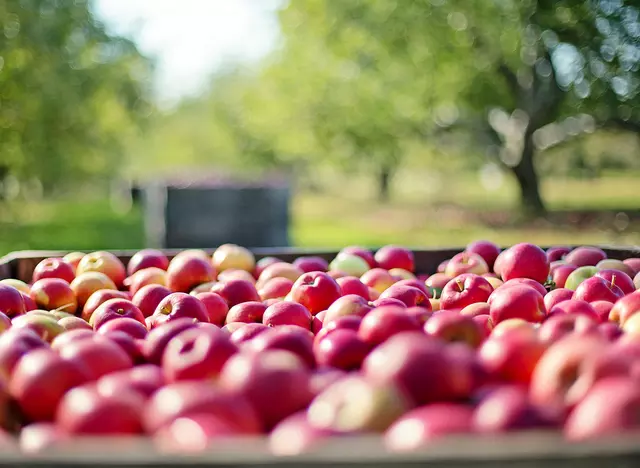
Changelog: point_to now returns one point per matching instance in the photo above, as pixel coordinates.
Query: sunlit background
(420, 122)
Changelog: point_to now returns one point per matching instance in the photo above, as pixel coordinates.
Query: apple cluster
(196, 350)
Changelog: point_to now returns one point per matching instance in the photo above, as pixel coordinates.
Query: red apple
(527, 282)
(236, 292)
(393, 256)
(178, 305)
(188, 271)
(560, 325)
(247, 312)
(277, 270)
(603, 309)
(275, 287)
(436, 283)
(197, 354)
(287, 313)
(148, 298)
(147, 258)
(487, 250)
(342, 349)
(204, 432)
(464, 290)
(620, 279)
(350, 304)
(70, 336)
(442, 266)
(40, 437)
(128, 325)
(73, 323)
(73, 258)
(378, 278)
(98, 356)
(478, 308)
(524, 261)
(598, 289)
(451, 326)
(45, 325)
(556, 296)
(232, 327)
(485, 324)
(557, 253)
(361, 252)
(144, 379)
(422, 425)
(216, 306)
(286, 338)
(142, 278)
(295, 435)
(633, 263)
(86, 284)
(561, 273)
(84, 411)
(466, 262)
(574, 306)
(408, 295)
(616, 265)
(98, 298)
(15, 343)
(421, 313)
(585, 256)
(264, 378)
(103, 262)
(247, 333)
(16, 284)
(54, 293)
(233, 257)
(114, 309)
(158, 338)
(264, 263)
(311, 263)
(11, 303)
(29, 304)
(181, 399)
(228, 275)
(353, 285)
(316, 291)
(39, 381)
(625, 307)
(511, 357)
(53, 268)
(383, 322)
(518, 301)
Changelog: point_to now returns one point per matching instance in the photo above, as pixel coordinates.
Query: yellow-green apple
(114, 309)
(494, 282)
(316, 291)
(585, 256)
(217, 307)
(11, 303)
(365, 254)
(560, 325)
(103, 262)
(401, 274)
(147, 258)
(352, 285)
(188, 271)
(246, 312)
(280, 269)
(178, 305)
(98, 298)
(486, 249)
(518, 301)
(561, 273)
(311, 263)
(348, 305)
(556, 296)
(53, 268)
(557, 253)
(351, 264)
(597, 288)
(465, 262)
(620, 279)
(421, 426)
(386, 321)
(141, 278)
(464, 290)
(54, 293)
(86, 284)
(574, 307)
(287, 313)
(231, 256)
(625, 307)
(524, 261)
(236, 291)
(394, 256)
(613, 264)
(73, 258)
(148, 298)
(451, 326)
(378, 279)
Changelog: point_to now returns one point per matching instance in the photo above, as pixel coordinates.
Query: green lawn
(422, 213)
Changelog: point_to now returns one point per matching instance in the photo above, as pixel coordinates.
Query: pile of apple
(199, 349)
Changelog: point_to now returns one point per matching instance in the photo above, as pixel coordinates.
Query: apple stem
(460, 285)
(613, 280)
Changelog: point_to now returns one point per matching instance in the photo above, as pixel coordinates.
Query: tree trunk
(384, 181)
(530, 200)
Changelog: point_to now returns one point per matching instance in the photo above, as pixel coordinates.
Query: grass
(425, 211)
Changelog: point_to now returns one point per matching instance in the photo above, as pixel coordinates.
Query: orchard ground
(424, 211)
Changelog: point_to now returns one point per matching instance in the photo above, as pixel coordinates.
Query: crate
(526, 450)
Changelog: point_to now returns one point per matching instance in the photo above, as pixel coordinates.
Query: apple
(204, 287)
(527, 282)
(585, 256)
(39, 437)
(294, 435)
(625, 307)
(53, 268)
(87, 283)
(187, 398)
(324, 377)
(311, 263)
(560, 325)
(414, 283)
(158, 338)
(352, 285)
(383, 322)
(518, 301)
(144, 379)
(29, 304)
(73, 258)
(633, 263)
(264, 378)
(574, 306)
(556, 296)
(144, 277)
(507, 408)
(98, 356)
(73, 323)
(486, 249)
(475, 309)
(46, 326)
(316, 291)
(378, 279)
(620, 279)
(148, 298)
(228, 275)
(188, 271)
(275, 288)
(5, 323)
(103, 262)
(557, 253)
(246, 312)
(247, 333)
(215, 305)
(351, 264)
(597, 288)
(342, 349)
(466, 262)
(70, 336)
(560, 274)
(39, 381)
(83, 411)
(197, 354)
(485, 324)
(356, 405)
(613, 264)
(263, 263)
(361, 252)
(15, 343)
(349, 322)
(54, 293)
(177, 305)
(233, 257)
(451, 326)
(518, 324)
(393, 256)
(636, 281)
(512, 356)
(286, 338)
(114, 309)
(205, 431)
(421, 313)
(524, 261)
(236, 292)
(464, 290)
(132, 327)
(147, 258)
(277, 270)
(631, 325)
(421, 426)
(409, 296)
(11, 303)
(603, 309)
(436, 283)
(287, 313)
(16, 284)
(609, 409)
(98, 298)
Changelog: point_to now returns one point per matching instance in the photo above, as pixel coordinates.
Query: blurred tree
(70, 93)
